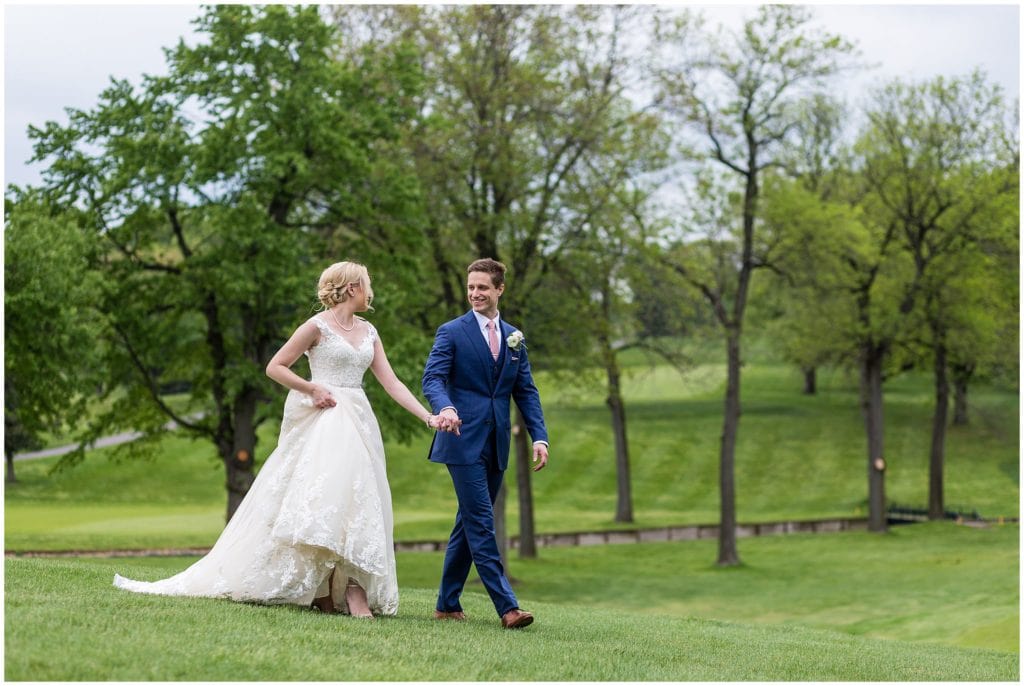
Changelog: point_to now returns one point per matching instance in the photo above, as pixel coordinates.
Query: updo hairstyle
(334, 281)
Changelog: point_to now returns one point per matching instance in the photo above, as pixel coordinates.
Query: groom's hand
(540, 456)
(448, 420)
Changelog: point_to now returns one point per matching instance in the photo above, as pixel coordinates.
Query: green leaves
(522, 104)
(937, 172)
(51, 357)
(215, 195)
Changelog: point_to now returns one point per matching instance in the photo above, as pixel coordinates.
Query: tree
(218, 193)
(983, 334)
(934, 164)
(741, 95)
(607, 277)
(51, 363)
(849, 276)
(518, 98)
(814, 158)
(796, 306)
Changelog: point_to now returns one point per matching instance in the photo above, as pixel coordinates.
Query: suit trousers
(472, 540)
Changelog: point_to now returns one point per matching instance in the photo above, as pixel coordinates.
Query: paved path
(105, 442)
(578, 538)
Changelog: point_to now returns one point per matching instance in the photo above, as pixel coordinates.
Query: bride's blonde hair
(334, 282)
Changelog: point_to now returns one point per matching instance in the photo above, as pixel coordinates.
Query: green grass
(64, 621)
(798, 457)
(926, 602)
(936, 582)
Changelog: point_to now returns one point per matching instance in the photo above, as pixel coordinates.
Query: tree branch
(154, 391)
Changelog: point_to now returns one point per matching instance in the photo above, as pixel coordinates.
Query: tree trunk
(961, 376)
(872, 357)
(527, 539)
(11, 478)
(624, 503)
(234, 446)
(238, 464)
(727, 554)
(810, 380)
(936, 462)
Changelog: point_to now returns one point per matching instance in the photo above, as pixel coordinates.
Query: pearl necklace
(336, 321)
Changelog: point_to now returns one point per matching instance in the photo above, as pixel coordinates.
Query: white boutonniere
(515, 341)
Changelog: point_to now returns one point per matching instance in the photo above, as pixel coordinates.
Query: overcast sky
(58, 56)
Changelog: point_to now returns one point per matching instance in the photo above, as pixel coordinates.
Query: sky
(58, 56)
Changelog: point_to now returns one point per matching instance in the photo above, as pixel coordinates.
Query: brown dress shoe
(516, 619)
(458, 615)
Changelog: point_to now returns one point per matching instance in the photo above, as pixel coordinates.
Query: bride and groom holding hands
(316, 527)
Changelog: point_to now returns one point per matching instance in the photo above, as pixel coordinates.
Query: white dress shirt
(481, 321)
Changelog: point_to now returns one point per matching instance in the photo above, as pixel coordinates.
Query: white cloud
(58, 56)
(63, 55)
(922, 41)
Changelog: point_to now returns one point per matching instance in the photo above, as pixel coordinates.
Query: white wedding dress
(320, 502)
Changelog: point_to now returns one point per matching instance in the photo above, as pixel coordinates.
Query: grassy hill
(803, 607)
(64, 622)
(798, 457)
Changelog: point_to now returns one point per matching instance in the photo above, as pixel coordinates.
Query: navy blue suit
(461, 373)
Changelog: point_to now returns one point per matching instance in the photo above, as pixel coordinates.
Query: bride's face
(360, 296)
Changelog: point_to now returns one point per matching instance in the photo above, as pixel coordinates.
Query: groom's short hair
(493, 267)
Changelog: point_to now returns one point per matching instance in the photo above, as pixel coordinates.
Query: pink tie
(492, 338)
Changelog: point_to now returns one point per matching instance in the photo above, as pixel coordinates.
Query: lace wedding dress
(320, 502)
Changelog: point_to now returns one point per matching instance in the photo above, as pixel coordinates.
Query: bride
(316, 525)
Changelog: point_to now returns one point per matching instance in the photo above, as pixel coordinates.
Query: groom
(477, 364)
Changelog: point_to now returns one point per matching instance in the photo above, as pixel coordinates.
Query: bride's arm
(278, 369)
(398, 391)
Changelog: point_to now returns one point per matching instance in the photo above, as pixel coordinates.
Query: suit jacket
(461, 373)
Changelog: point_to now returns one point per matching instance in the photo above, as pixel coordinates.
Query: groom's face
(482, 294)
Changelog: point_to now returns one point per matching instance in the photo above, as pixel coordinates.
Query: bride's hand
(436, 421)
(322, 398)
(449, 421)
(442, 423)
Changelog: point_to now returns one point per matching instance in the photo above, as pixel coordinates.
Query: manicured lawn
(936, 582)
(923, 602)
(798, 457)
(64, 621)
